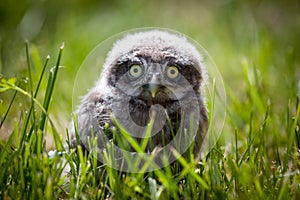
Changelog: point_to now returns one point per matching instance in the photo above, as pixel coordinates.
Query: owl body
(151, 77)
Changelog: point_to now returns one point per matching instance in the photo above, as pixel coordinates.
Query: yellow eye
(135, 70)
(172, 72)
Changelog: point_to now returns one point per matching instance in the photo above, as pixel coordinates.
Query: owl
(151, 88)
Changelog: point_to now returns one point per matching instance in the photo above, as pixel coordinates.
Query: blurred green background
(264, 32)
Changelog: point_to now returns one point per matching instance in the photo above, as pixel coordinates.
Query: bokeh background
(265, 33)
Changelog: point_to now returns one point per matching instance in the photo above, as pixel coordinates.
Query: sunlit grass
(255, 164)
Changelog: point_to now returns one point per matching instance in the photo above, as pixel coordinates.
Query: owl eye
(172, 72)
(135, 70)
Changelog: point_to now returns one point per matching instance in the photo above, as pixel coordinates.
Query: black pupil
(135, 70)
(173, 71)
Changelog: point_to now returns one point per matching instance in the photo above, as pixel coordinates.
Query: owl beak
(154, 84)
(153, 88)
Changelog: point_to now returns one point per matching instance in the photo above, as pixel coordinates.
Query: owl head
(154, 66)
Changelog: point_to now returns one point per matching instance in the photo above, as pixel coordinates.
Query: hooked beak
(153, 88)
(154, 84)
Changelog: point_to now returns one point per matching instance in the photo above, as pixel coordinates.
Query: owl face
(154, 81)
(157, 73)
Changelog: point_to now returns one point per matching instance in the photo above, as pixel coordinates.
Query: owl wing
(92, 117)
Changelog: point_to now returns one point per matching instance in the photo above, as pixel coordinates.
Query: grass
(256, 157)
(251, 167)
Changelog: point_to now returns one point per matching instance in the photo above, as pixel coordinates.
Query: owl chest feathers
(133, 110)
(135, 114)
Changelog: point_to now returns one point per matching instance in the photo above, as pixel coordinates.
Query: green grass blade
(29, 67)
(50, 88)
(41, 76)
(9, 107)
(292, 136)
